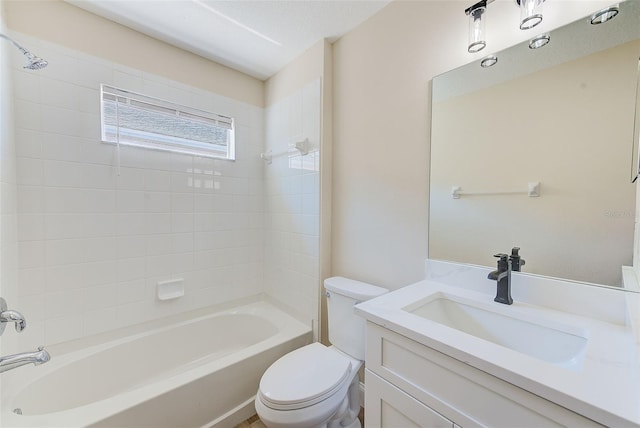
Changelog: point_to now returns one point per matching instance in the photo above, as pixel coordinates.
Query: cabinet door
(388, 407)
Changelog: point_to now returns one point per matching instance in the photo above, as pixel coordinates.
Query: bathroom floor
(255, 422)
(252, 422)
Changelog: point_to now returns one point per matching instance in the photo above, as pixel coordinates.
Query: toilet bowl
(309, 387)
(318, 386)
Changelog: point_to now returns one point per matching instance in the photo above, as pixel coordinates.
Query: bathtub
(196, 370)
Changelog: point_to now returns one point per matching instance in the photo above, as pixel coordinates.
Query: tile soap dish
(170, 289)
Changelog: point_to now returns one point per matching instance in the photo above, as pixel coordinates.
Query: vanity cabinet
(411, 385)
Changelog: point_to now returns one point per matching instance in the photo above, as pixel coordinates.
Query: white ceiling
(257, 37)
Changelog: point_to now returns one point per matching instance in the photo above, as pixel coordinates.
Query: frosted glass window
(133, 119)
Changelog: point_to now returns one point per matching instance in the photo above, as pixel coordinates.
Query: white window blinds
(138, 120)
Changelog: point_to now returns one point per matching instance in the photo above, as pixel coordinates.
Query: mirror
(539, 152)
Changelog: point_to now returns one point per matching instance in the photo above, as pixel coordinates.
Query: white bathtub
(202, 369)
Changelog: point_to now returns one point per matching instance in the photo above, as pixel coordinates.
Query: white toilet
(318, 386)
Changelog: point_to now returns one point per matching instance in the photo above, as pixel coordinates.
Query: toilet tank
(346, 329)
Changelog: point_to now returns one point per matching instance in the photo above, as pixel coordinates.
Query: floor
(255, 422)
(252, 422)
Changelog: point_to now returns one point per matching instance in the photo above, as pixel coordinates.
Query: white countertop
(604, 386)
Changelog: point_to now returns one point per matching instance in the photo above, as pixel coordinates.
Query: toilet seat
(304, 377)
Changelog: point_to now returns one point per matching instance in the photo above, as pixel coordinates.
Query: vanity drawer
(388, 407)
(467, 396)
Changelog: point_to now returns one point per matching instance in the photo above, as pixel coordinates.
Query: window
(137, 120)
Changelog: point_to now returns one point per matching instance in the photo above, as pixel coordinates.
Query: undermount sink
(556, 343)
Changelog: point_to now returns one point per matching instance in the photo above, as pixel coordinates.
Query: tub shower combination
(196, 369)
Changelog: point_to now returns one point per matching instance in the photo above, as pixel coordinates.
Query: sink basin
(549, 341)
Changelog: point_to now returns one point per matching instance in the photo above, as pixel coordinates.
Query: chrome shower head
(33, 62)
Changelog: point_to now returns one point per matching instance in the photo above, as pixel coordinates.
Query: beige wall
(67, 25)
(382, 74)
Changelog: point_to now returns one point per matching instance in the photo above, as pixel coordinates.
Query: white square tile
(59, 278)
(30, 227)
(63, 329)
(131, 201)
(158, 223)
(30, 199)
(28, 115)
(131, 246)
(59, 120)
(157, 181)
(29, 143)
(63, 174)
(157, 202)
(67, 302)
(31, 282)
(29, 171)
(65, 226)
(101, 249)
(132, 224)
(131, 269)
(99, 273)
(182, 242)
(26, 86)
(132, 291)
(65, 251)
(182, 222)
(159, 244)
(99, 297)
(57, 93)
(182, 202)
(31, 254)
(99, 321)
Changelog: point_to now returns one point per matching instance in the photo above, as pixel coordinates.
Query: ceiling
(257, 37)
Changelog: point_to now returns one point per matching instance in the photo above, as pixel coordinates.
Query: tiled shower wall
(292, 200)
(96, 233)
(8, 220)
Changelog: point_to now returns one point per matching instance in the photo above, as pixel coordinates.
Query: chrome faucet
(38, 357)
(14, 317)
(503, 276)
(7, 316)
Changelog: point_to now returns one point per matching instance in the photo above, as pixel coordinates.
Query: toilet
(317, 386)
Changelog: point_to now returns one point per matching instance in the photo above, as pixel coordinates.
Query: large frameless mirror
(536, 150)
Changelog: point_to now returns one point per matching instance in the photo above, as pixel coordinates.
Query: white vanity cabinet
(411, 385)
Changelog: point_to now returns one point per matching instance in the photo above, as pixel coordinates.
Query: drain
(17, 411)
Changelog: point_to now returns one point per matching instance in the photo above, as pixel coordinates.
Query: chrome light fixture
(604, 15)
(489, 61)
(539, 41)
(530, 13)
(477, 40)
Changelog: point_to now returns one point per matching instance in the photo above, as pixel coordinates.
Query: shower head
(33, 62)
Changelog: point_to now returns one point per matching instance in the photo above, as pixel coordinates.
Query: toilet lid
(304, 377)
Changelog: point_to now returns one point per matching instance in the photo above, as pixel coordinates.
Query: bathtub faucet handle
(7, 316)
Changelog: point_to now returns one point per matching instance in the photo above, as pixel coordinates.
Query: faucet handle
(503, 262)
(7, 316)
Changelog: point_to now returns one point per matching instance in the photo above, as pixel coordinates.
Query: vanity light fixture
(489, 61)
(477, 40)
(604, 15)
(539, 41)
(530, 13)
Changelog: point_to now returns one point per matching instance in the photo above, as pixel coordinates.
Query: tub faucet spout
(38, 357)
